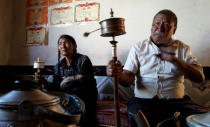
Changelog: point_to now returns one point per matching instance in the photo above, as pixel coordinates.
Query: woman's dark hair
(169, 13)
(72, 41)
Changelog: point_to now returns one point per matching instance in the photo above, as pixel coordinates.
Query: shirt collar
(156, 49)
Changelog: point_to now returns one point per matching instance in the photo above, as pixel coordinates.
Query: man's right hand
(114, 68)
(168, 52)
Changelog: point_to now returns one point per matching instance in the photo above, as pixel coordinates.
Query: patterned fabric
(73, 104)
(199, 92)
(105, 86)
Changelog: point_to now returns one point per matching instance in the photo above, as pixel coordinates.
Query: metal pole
(116, 84)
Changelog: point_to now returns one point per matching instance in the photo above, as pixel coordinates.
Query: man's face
(65, 47)
(162, 29)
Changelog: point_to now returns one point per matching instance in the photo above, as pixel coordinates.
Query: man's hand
(193, 72)
(114, 68)
(168, 52)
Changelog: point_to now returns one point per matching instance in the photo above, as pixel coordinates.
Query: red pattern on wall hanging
(36, 36)
(87, 12)
(54, 2)
(62, 15)
(31, 3)
(37, 16)
(60, 12)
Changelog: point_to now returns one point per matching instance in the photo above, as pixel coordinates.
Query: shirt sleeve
(189, 57)
(132, 63)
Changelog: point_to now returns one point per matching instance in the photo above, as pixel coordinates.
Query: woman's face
(65, 47)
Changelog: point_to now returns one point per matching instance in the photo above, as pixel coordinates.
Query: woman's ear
(174, 30)
(75, 50)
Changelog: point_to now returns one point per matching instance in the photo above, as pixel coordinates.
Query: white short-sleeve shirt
(155, 76)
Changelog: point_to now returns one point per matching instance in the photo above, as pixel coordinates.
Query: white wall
(193, 29)
(5, 30)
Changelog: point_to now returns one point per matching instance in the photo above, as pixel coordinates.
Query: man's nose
(161, 27)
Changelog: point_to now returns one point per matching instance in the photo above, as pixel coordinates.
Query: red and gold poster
(78, 0)
(54, 2)
(36, 36)
(62, 15)
(31, 3)
(87, 12)
(37, 16)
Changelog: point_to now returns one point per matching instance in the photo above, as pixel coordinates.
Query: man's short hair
(169, 13)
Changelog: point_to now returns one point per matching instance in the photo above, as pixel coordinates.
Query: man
(158, 66)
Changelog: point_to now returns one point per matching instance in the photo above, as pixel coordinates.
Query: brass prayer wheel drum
(112, 27)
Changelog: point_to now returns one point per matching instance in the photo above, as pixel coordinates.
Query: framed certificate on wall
(87, 12)
(37, 16)
(61, 15)
(36, 36)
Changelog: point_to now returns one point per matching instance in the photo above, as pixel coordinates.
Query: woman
(73, 74)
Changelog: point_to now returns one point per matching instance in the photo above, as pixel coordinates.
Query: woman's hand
(64, 101)
(40, 79)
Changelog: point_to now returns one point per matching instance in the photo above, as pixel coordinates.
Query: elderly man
(158, 65)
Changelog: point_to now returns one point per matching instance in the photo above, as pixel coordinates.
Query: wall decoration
(37, 16)
(87, 12)
(78, 0)
(36, 36)
(62, 15)
(31, 3)
(60, 12)
(54, 2)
